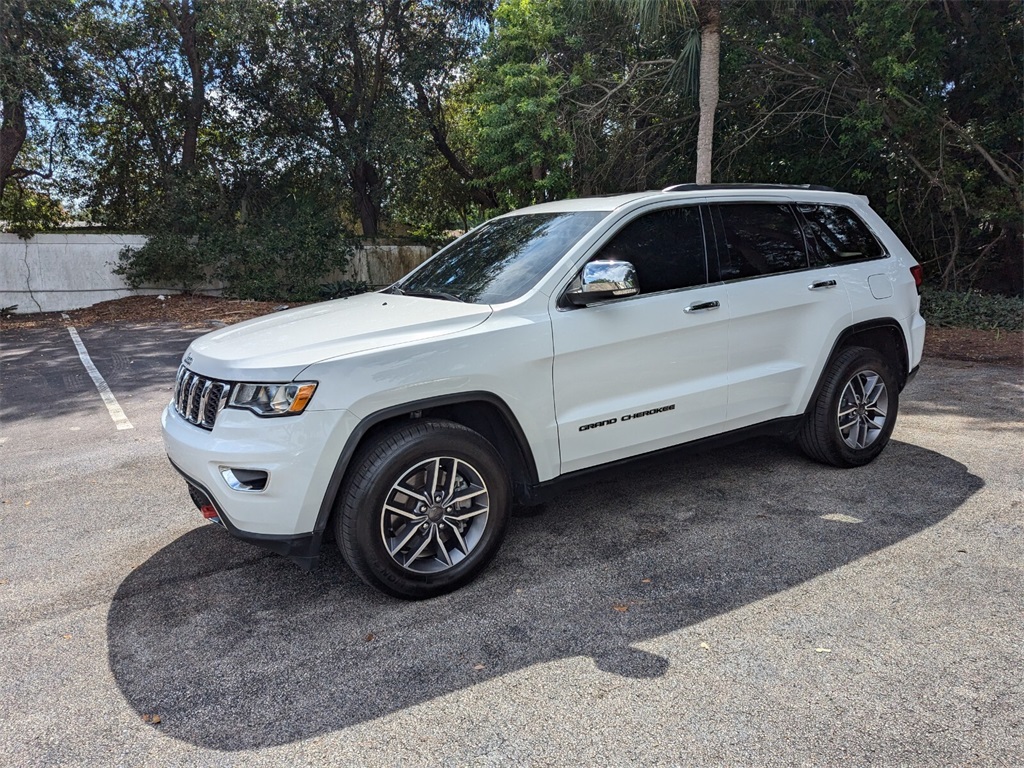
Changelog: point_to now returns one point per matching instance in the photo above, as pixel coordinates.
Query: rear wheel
(424, 510)
(852, 419)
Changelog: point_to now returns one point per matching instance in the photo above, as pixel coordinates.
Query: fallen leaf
(478, 667)
(66, 637)
(823, 650)
(28, 503)
(620, 607)
(646, 581)
(370, 637)
(705, 645)
(152, 719)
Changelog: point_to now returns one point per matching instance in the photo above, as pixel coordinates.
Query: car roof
(809, 192)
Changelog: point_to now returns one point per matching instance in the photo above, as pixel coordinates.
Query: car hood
(277, 347)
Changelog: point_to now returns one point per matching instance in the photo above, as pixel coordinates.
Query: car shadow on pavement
(236, 649)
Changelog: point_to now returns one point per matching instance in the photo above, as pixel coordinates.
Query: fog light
(251, 480)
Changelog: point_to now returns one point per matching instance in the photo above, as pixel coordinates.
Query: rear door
(641, 373)
(785, 311)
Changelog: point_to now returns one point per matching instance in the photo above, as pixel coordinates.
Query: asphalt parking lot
(738, 607)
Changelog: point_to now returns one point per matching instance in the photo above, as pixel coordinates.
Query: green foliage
(341, 288)
(883, 99)
(24, 211)
(521, 142)
(380, 112)
(972, 310)
(266, 243)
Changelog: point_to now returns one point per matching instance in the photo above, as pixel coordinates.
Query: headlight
(273, 399)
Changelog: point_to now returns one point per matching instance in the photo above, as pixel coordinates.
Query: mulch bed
(964, 344)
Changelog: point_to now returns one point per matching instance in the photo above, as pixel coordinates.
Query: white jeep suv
(546, 343)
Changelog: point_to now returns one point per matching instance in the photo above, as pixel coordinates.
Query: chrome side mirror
(603, 280)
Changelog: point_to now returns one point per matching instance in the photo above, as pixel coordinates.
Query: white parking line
(120, 420)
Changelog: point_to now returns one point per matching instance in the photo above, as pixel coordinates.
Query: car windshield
(500, 260)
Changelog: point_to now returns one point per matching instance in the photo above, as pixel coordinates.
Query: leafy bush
(272, 243)
(342, 288)
(972, 310)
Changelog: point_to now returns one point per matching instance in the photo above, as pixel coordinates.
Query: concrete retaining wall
(55, 273)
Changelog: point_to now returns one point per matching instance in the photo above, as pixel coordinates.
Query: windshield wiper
(429, 294)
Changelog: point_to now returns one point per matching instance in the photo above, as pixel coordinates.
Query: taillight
(918, 272)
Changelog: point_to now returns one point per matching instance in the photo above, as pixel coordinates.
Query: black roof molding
(699, 187)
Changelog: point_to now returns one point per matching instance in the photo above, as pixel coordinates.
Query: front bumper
(299, 453)
(302, 549)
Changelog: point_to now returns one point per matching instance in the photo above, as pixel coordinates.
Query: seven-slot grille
(198, 399)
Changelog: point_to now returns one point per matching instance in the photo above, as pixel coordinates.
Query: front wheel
(424, 510)
(853, 417)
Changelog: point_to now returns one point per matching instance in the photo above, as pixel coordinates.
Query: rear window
(839, 235)
(760, 239)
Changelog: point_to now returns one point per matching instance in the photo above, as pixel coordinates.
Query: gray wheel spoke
(404, 513)
(413, 493)
(426, 542)
(862, 434)
(442, 549)
(470, 514)
(413, 530)
(435, 478)
(453, 476)
(459, 541)
(468, 496)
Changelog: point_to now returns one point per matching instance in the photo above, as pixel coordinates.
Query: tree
(184, 17)
(39, 71)
(700, 52)
(335, 82)
(916, 104)
(151, 122)
(520, 138)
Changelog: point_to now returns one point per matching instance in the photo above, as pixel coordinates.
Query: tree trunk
(185, 22)
(484, 197)
(709, 14)
(13, 130)
(364, 186)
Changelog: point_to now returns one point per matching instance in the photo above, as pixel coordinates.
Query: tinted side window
(839, 234)
(666, 247)
(760, 239)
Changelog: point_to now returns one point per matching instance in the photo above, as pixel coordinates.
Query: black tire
(844, 427)
(393, 539)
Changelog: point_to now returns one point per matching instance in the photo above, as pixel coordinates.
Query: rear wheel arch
(884, 336)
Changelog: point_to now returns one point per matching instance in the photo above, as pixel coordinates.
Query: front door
(637, 374)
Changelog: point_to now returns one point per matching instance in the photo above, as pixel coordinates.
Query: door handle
(821, 284)
(703, 306)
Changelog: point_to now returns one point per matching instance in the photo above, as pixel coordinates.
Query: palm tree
(699, 55)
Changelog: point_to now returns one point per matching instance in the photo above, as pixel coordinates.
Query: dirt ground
(965, 344)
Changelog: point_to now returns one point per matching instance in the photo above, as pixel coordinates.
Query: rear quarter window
(837, 235)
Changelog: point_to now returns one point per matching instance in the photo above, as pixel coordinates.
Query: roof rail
(698, 187)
